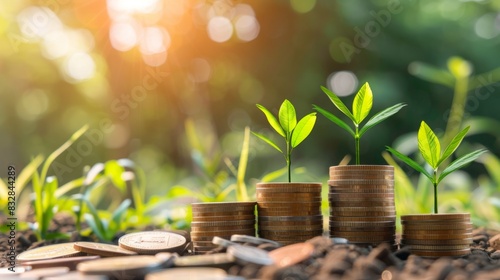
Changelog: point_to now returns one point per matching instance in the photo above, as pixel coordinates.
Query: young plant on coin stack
(289, 212)
(361, 196)
(436, 235)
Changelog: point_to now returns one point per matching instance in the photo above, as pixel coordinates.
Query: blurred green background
(141, 72)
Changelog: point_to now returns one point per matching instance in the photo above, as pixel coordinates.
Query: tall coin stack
(362, 206)
(289, 212)
(221, 219)
(437, 235)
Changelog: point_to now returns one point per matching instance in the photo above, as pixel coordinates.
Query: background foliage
(64, 65)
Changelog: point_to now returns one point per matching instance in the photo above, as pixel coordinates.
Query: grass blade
(455, 142)
(381, 116)
(334, 119)
(428, 144)
(287, 117)
(338, 103)
(461, 162)
(362, 104)
(303, 129)
(25, 175)
(410, 162)
(272, 120)
(60, 150)
(267, 140)
(241, 188)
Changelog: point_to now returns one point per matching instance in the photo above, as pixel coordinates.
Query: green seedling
(430, 149)
(361, 107)
(294, 132)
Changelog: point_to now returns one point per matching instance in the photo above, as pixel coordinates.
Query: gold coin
(285, 240)
(188, 273)
(366, 239)
(391, 218)
(223, 218)
(362, 167)
(464, 241)
(437, 247)
(105, 250)
(220, 259)
(347, 234)
(436, 232)
(62, 250)
(317, 199)
(121, 266)
(362, 176)
(289, 204)
(152, 242)
(210, 238)
(360, 182)
(282, 213)
(362, 214)
(292, 228)
(436, 236)
(223, 223)
(360, 196)
(356, 191)
(291, 223)
(451, 253)
(292, 254)
(222, 205)
(364, 229)
(437, 226)
(436, 217)
(227, 213)
(363, 209)
(366, 225)
(295, 186)
(361, 204)
(383, 187)
(228, 228)
(223, 209)
(225, 233)
(291, 218)
(286, 235)
(69, 262)
(265, 196)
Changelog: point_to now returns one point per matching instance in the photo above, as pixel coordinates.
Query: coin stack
(289, 212)
(362, 204)
(221, 219)
(437, 235)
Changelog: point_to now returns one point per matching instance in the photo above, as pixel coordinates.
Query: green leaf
(381, 116)
(303, 129)
(334, 119)
(272, 120)
(269, 177)
(114, 171)
(338, 103)
(410, 162)
(362, 104)
(120, 210)
(267, 140)
(287, 117)
(428, 144)
(461, 162)
(241, 188)
(455, 142)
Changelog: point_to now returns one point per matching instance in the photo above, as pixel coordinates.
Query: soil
(334, 261)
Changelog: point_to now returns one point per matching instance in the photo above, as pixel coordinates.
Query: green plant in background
(293, 133)
(430, 149)
(48, 196)
(361, 107)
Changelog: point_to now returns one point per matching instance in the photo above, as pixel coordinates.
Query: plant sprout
(287, 126)
(430, 149)
(361, 107)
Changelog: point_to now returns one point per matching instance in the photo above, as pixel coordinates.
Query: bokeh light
(79, 67)
(343, 83)
(303, 6)
(123, 35)
(247, 27)
(220, 29)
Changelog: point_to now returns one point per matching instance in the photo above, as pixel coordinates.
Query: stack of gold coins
(437, 235)
(362, 206)
(289, 212)
(221, 219)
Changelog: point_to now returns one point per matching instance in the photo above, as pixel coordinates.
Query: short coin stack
(221, 219)
(437, 235)
(289, 212)
(362, 203)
